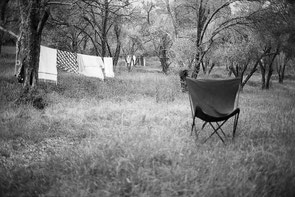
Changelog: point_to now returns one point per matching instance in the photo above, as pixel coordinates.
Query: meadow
(130, 136)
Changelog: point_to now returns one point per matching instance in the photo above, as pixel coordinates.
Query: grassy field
(130, 136)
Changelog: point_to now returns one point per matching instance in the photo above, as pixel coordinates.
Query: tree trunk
(268, 77)
(164, 62)
(197, 66)
(117, 54)
(202, 17)
(32, 49)
(74, 44)
(254, 69)
(211, 67)
(281, 73)
(118, 47)
(270, 70)
(104, 28)
(165, 44)
(262, 70)
(164, 65)
(1, 38)
(196, 70)
(28, 45)
(281, 61)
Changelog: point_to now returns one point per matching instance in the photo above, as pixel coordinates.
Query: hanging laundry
(90, 66)
(67, 61)
(47, 64)
(108, 70)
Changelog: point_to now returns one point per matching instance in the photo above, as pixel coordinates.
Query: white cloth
(90, 66)
(128, 59)
(47, 64)
(108, 70)
(101, 63)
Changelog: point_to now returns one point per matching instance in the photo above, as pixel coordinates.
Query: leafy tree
(281, 62)
(157, 33)
(66, 31)
(202, 13)
(103, 16)
(274, 26)
(184, 52)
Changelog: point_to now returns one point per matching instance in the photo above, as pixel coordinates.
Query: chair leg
(213, 134)
(209, 137)
(194, 128)
(204, 125)
(193, 125)
(236, 119)
(235, 124)
(216, 131)
(221, 129)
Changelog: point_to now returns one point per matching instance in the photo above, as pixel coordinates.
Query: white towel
(47, 64)
(108, 70)
(80, 63)
(101, 63)
(90, 66)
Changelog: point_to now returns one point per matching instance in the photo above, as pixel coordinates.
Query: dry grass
(129, 136)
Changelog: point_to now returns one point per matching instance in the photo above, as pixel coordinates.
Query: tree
(61, 29)
(162, 43)
(274, 26)
(281, 62)
(163, 49)
(209, 19)
(103, 16)
(33, 16)
(156, 36)
(171, 9)
(184, 51)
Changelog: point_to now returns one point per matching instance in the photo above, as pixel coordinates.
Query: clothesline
(88, 65)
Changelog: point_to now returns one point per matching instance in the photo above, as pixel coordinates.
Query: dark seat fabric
(215, 98)
(207, 118)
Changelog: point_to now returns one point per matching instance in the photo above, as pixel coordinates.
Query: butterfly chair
(214, 101)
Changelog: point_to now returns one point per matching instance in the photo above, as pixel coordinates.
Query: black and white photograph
(147, 98)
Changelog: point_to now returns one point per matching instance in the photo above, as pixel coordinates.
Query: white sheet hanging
(108, 70)
(90, 66)
(47, 64)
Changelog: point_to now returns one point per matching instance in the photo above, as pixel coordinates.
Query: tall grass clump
(130, 136)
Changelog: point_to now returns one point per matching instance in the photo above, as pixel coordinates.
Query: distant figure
(183, 74)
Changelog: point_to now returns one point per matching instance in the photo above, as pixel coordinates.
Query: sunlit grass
(130, 136)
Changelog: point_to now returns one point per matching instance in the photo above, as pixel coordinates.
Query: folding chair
(214, 101)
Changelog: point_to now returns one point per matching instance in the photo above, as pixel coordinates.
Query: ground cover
(130, 136)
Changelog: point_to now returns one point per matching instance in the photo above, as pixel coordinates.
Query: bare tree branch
(9, 32)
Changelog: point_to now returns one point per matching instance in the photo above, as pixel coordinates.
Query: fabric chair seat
(221, 117)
